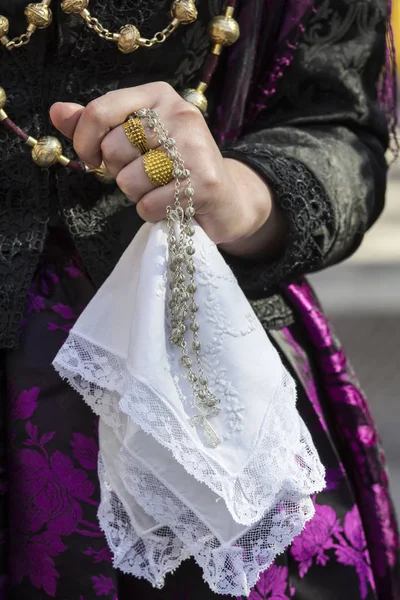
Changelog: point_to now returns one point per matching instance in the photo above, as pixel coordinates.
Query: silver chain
(182, 283)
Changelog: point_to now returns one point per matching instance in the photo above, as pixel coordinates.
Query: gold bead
(197, 98)
(103, 175)
(38, 15)
(74, 6)
(224, 30)
(184, 10)
(128, 39)
(3, 98)
(47, 151)
(4, 26)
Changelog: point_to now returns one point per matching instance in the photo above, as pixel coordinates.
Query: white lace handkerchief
(264, 469)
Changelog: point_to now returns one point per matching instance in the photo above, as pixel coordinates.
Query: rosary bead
(74, 6)
(38, 15)
(194, 308)
(3, 98)
(128, 39)
(4, 26)
(190, 269)
(47, 151)
(191, 288)
(224, 30)
(190, 250)
(186, 361)
(184, 10)
(197, 98)
(190, 231)
(190, 212)
(189, 192)
(203, 380)
(178, 259)
(196, 345)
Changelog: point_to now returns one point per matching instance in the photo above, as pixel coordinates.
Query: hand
(233, 204)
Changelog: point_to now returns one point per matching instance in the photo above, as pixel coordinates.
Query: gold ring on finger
(136, 134)
(159, 167)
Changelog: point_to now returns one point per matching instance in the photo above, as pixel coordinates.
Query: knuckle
(107, 148)
(123, 184)
(94, 110)
(186, 110)
(163, 88)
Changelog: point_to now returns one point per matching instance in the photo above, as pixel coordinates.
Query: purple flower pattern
(324, 538)
(54, 491)
(273, 585)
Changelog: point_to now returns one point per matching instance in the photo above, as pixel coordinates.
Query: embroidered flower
(272, 585)
(315, 539)
(52, 489)
(25, 404)
(103, 585)
(353, 551)
(34, 559)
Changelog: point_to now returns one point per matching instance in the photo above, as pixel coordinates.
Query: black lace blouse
(320, 143)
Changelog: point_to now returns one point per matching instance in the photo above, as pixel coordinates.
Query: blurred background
(362, 297)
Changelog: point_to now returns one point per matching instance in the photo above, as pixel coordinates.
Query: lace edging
(105, 384)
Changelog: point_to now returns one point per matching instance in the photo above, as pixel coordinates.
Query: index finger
(109, 111)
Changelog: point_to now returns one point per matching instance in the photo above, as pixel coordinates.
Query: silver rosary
(184, 332)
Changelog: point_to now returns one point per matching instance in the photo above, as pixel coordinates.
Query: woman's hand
(233, 204)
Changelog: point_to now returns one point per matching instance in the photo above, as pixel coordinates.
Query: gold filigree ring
(136, 134)
(159, 167)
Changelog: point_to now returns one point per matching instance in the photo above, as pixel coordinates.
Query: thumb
(65, 116)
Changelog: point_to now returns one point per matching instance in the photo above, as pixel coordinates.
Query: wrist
(264, 225)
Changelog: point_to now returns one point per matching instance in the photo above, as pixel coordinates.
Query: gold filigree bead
(38, 15)
(74, 6)
(197, 98)
(128, 39)
(47, 151)
(4, 26)
(3, 98)
(224, 30)
(184, 10)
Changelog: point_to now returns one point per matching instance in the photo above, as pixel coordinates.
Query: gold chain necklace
(128, 39)
(47, 151)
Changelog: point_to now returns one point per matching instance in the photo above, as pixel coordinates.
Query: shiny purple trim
(362, 454)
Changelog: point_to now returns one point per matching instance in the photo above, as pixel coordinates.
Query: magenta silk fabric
(364, 458)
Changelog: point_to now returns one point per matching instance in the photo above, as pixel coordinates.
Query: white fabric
(253, 490)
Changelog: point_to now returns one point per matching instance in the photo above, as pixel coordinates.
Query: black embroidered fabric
(320, 143)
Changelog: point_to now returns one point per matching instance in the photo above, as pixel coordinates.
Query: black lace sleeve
(321, 143)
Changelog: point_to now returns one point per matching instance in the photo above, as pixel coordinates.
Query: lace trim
(232, 568)
(306, 207)
(151, 557)
(100, 378)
